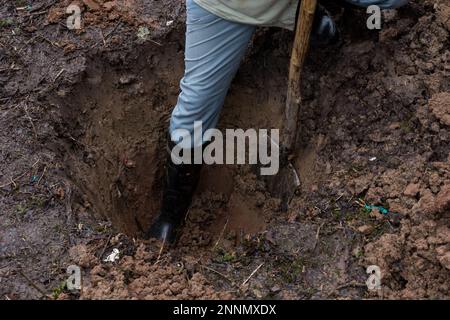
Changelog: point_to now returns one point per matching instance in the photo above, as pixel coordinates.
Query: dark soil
(84, 115)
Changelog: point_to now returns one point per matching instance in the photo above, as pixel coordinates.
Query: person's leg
(214, 49)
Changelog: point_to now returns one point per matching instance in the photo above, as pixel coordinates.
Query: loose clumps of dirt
(439, 105)
(141, 276)
(85, 114)
(416, 259)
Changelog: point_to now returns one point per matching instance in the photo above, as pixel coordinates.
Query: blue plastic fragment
(382, 210)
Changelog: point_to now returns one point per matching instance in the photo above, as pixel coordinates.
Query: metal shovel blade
(284, 185)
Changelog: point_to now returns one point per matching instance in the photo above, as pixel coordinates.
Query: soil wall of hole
(115, 126)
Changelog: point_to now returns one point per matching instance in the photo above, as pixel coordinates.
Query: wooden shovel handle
(299, 51)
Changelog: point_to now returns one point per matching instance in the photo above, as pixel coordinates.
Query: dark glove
(325, 31)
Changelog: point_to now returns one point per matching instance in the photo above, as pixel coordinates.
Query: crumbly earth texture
(84, 115)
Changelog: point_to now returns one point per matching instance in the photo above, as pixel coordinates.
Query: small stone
(395, 126)
(109, 5)
(365, 229)
(130, 163)
(445, 260)
(126, 79)
(168, 292)
(93, 5)
(275, 288)
(440, 107)
(257, 293)
(375, 213)
(61, 93)
(411, 190)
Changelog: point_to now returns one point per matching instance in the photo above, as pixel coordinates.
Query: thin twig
(350, 284)
(54, 44)
(42, 175)
(112, 31)
(317, 235)
(106, 246)
(13, 181)
(34, 285)
(6, 265)
(155, 42)
(31, 120)
(59, 73)
(217, 272)
(37, 13)
(160, 251)
(45, 7)
(104, 38)
(221, 234)
(252, 274)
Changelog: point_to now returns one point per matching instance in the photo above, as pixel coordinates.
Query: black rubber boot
(180, 183)
(325, 32)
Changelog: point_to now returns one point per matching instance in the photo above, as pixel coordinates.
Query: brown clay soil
(83, 117)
